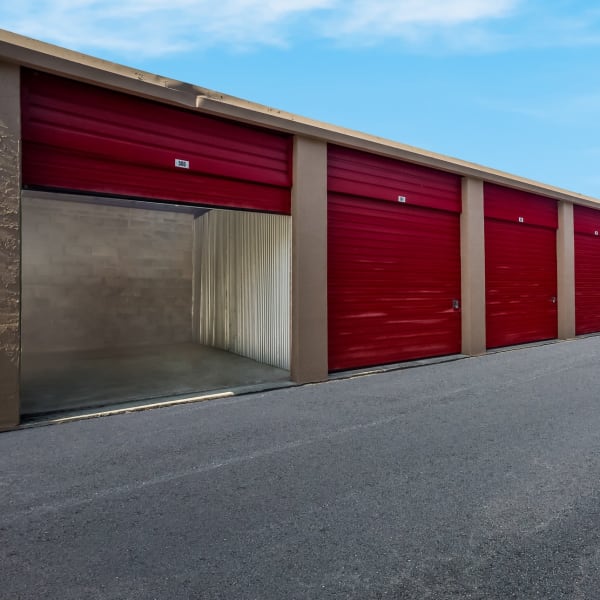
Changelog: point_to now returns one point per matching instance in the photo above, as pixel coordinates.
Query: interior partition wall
(97, 276)
(242, 284)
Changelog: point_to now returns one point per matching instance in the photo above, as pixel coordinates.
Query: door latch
(553, 299)
(456, 304)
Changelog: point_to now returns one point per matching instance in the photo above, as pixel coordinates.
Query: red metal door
(394, 267)
(82, 138)
(587, 270)
(520, 267)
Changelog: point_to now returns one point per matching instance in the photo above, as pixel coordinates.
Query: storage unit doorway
(150, 232)
(127, 300)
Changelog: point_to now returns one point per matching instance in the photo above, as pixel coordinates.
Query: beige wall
(10, 292)
(472, 253)
(103, 276)
(565, 256)
(309, 261)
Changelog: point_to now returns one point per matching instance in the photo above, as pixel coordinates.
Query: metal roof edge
(54, 59)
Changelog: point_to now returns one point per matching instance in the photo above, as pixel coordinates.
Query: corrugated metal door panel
(242, 284)
(587, 269)
(516, 206)
(586, 220)
(361, 174)
(88, 174)
(81, 137)
(394, 271)
(521, 283)
(587, 283)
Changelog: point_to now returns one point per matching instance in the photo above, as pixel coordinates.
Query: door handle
(456, 304)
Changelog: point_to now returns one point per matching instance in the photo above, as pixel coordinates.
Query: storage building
(160, 239)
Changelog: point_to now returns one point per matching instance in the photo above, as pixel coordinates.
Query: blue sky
(510, 84)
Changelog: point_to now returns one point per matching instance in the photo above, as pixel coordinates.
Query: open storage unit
(149, 232)
(125, 301)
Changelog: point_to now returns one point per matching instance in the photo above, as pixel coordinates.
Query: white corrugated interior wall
(242, 284)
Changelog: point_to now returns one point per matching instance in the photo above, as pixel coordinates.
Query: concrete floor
(75, 380)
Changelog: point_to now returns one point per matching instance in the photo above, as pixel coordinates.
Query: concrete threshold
(166, 401)
(69, 416)
(59, 417)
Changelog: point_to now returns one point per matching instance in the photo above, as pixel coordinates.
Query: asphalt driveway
(473, 479)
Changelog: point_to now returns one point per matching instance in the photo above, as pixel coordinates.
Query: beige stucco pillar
(472, 254)
(10, 241)
(565, 255)
(309, 261)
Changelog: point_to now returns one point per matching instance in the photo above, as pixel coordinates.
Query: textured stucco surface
(10, 184)
(99, 276)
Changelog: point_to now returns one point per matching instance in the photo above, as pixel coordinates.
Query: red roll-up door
(394, 267)
(520, 267)
(82, 138)
(587, 270)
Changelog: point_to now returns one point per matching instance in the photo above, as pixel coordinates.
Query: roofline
(27, 52)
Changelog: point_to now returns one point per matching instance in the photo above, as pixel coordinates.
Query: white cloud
(159, 27)
(388, 16)
(155, 27)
